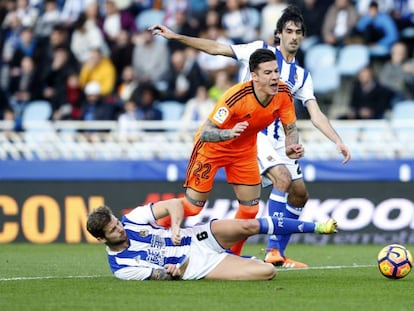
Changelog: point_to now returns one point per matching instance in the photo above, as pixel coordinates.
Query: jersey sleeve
(140, 273)
(141, 215)
(305, 93)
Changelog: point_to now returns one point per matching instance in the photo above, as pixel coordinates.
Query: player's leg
(281, 179)
(248, 197)
(238, 268)
(244, 175)
(229, 231)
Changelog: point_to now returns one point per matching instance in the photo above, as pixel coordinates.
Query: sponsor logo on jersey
(221, 115)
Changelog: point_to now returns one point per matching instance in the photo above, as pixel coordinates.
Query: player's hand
(174, 270)
(342, 149)
(239, 128)
(295, 151)
(176, 236)
(163, 31)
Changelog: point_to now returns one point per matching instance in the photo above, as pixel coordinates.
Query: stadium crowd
(96, 60)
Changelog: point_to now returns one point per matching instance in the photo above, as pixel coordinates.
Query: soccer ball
(395, 261)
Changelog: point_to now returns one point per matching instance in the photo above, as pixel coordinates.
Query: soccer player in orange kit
(228, 138)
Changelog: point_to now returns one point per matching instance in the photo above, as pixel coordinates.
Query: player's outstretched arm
(208, 46)
(322, 123)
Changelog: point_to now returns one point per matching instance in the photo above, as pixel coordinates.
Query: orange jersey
(238, 156)
(240, 104)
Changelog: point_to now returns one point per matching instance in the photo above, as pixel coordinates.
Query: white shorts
(205, 252)
(269, 156)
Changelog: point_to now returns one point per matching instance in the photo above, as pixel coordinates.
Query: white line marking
(30, 278)
(354, 266)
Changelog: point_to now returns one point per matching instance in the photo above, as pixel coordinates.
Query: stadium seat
(171, 110)
(320, 56)
(403, 110)
(36, 114)
(325, 80)
(352, 58)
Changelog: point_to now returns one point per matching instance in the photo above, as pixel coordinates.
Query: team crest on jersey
(143, 233)
(221, 115)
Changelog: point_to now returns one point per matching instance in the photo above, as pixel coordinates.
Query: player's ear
(101, 240)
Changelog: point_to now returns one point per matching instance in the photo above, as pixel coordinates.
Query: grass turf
(77, 277)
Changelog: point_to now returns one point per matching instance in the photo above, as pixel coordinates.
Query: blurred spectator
(150, 58)
(124, 4)
(183, 25)
(74, 99)
(127, 120)
(141, 5)
(11, 28)
(86, 36)
(4, 105)
(171, 7)
(270, 14)
(58, 38)
(197, 109)
(403, 15)
(147, 96)
(27, 14)
(198, 8)
(95, 107)
(395, 74)
(313, 12)
(98, 68)
(121, 53)
(385, 6)
(240, 23)
(128, 84)
(184, 77)
(48, 19)
(24, 85)
(115, 21)
(26, 46)
(339, 22)
(369, 100)
(221, 84)
(71, 11)
(211, 64)
(378, 30)
(56, 74)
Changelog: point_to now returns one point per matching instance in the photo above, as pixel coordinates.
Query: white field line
(30, 278)
(354, 266)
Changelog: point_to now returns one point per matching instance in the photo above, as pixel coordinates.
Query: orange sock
(189, 210)
(244, 212)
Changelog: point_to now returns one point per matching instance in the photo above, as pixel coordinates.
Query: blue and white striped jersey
(150, 246)
(296, 77)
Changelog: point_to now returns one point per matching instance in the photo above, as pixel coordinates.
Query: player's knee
(280, 177)
(269, 272)
(191, 206)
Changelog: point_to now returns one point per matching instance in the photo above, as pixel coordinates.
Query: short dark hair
(97, 220)
(291, 14)
(260, 56)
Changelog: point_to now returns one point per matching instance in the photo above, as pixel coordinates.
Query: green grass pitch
(77, 277)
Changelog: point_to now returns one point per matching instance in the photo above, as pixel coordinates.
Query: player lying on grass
(139, 249)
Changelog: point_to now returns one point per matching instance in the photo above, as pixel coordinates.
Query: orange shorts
(201, 171)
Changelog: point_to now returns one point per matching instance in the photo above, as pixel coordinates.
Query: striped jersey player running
(289, 194)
